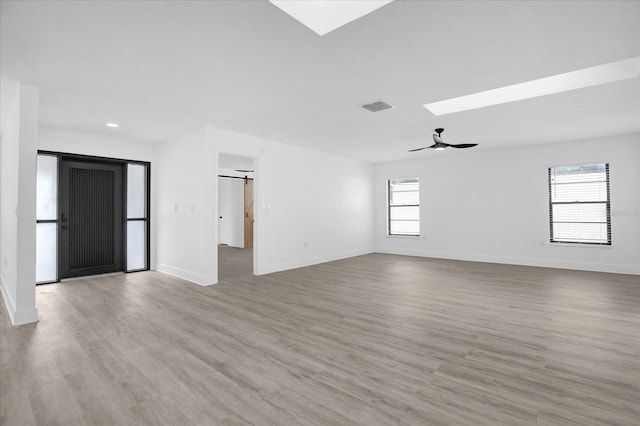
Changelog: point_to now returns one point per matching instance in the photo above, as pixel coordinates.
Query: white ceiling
(163, 68)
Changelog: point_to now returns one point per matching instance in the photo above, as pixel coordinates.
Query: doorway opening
(92, 216)
(236, 176)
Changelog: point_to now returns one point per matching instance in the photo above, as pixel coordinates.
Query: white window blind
(404, 206)
(579, 204)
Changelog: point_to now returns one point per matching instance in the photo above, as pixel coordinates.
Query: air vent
(377, 106)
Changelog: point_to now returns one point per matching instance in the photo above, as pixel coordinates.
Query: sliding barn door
(90, 218)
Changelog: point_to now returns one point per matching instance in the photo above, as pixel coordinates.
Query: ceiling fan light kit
(439, 145)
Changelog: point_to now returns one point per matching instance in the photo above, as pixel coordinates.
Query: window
(137, 217)
(579, 205)
(404, 206)
(46, 219)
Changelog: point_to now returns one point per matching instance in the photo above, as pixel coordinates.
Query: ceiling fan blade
(418, 149)
(463, 145)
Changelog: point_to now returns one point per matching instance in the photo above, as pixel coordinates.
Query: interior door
(91, 207)
(248, 213)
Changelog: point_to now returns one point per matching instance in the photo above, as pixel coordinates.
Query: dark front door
(90, 218)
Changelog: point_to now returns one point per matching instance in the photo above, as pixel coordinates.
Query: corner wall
(310, 207)
(186, 239)
(19, 134)
(493, 206)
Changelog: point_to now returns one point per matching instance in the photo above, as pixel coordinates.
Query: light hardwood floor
(372, 340)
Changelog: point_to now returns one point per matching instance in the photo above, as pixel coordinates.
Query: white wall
(310, 207)
(8, 92)
(74, 142)
(9, 145)
(18, 134)
(187, 209)
(493, 206)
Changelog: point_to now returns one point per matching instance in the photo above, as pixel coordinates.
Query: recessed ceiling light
(587, 77)
(114, 125)
(324, 16)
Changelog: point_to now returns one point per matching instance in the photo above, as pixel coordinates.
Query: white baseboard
(236, 244)
(301, 263)
(17, 316)
(185, 275)
(525, 261)
(25, 316)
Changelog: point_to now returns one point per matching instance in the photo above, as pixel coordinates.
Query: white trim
(26, 316)
(309, 261)
(17, 317)
(192, 277)
(524, 261)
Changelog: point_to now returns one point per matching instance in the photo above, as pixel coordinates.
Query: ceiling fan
(439, 145)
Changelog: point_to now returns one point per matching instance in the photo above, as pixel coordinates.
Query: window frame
(146, 219)
(54, 220)
(607, 204)
(389, 207)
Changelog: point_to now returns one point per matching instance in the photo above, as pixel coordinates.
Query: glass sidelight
(137, 217)
(46, 219)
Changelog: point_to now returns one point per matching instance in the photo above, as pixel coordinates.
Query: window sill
(580, 245)
(411, 237)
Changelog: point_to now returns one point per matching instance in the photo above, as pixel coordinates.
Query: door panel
(248, 213)
(225, 193)
(91, 218)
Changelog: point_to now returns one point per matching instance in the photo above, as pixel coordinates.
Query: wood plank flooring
(371, 340)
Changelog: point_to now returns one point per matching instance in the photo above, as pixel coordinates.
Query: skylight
(324, 16)
(587, 77)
